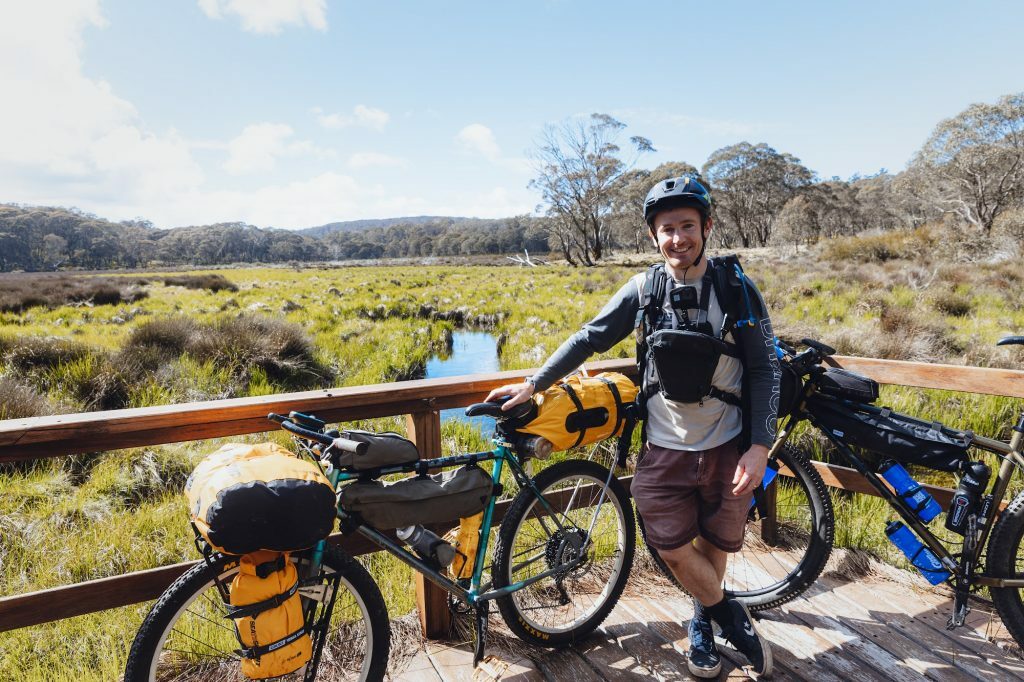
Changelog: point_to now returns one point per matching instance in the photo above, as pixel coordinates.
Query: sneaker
(742, 634)
(703, 659)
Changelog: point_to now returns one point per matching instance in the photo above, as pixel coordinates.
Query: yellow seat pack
(244, 498)
(267, 611)
(580, 410)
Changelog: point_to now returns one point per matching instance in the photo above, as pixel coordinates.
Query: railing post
(424, 428)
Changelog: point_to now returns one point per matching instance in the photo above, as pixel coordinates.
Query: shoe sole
(703, 673)
(766, 650)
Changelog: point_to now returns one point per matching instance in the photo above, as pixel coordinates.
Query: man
(693, 485)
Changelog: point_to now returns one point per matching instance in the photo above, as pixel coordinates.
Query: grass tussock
(879, 247)
(21, 292)
(212, 282)
(18, 400)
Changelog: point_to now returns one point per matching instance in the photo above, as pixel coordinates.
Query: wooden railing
(421, 401)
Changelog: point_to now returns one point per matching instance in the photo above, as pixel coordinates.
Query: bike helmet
(685, 190)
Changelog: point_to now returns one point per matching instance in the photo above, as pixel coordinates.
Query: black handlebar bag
(903, 438)
(685, 362)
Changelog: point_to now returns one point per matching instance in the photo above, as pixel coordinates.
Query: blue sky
(293, 113)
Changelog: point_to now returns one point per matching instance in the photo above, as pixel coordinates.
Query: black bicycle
(876, 442)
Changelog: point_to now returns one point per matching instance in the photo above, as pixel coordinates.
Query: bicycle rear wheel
(1005, 559)
(187, 637)
(534, 538)
(780, 558)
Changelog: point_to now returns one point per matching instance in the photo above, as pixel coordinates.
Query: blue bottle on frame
(923, 558)
(916, 497)
(769, 476)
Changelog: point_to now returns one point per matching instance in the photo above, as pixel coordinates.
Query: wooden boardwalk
(881, 627)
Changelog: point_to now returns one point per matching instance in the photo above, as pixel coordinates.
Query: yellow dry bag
(581, 410)
(466, 540)
(267, 611)
(244, 497)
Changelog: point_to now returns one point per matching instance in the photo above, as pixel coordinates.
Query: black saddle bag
(903, 438)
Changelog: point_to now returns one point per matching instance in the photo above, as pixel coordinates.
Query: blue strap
(750, 321)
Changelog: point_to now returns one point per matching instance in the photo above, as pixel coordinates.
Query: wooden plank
(668, 630)
(417, 669)
(66, 434)
(454, 663)
(858, 614)
(424, 429)
(985, 380)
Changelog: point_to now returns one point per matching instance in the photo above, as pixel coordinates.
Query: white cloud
(372, 159)
(362, 116)
(269, 16)
(261, 144)
(70, 139)
(479, 138)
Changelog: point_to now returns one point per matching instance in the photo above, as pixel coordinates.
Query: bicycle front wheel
(784, 554)
(187, 637)
(583, 534)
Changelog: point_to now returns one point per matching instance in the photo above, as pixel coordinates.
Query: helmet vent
(669, 184)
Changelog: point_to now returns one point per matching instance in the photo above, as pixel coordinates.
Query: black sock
(720, 613)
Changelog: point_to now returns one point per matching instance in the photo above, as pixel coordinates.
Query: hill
(361, 225)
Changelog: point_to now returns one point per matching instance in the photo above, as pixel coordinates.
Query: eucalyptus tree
(749, 186)
(973, 163)
(579, 165)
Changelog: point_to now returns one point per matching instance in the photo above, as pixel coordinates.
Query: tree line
(970, 171)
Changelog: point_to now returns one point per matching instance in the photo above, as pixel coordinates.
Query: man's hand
(750, 470)
(520, 394)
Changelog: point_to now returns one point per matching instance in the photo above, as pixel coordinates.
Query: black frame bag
(842, 383)
(901, 437)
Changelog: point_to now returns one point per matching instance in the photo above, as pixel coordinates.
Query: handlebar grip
(354, 446)
(306, 433)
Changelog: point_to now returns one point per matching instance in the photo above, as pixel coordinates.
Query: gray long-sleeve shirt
(686, 426)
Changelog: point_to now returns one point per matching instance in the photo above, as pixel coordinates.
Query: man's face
(677, 233)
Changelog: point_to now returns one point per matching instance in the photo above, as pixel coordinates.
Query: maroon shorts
(684, 494)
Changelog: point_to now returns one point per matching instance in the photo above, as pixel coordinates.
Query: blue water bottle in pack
(769, 476)
(916, 497)
(923, 558)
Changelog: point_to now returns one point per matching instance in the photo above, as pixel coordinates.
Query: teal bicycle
(558, 564)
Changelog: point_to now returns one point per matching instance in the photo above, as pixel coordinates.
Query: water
(472, 353)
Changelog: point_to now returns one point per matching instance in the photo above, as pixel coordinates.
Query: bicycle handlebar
(339, 443)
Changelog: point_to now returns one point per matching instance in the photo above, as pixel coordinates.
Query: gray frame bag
(447, 496)
(385, 449)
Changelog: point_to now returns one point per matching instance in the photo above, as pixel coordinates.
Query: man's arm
(611, 325)
(763, 375)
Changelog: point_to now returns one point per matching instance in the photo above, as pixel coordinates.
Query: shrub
(882, 246)
(17, 294)
(211, 281)
(39, 352)
(18, 401)
(952, 303)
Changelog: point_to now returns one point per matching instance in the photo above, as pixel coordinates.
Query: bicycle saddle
(493, 409)
(1010, 340)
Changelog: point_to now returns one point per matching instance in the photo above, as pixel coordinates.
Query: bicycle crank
(962, 589)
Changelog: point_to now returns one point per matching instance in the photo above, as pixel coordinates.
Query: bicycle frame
(500, 455)
(1010, 454)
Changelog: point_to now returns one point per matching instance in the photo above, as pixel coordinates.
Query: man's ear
(708, 224)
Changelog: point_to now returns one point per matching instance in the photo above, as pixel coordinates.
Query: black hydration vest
(680, 363)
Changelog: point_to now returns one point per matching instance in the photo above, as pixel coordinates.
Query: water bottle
(967, 496)
(923, 558)
(916, 497)
(427, 544)
(769, 476)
